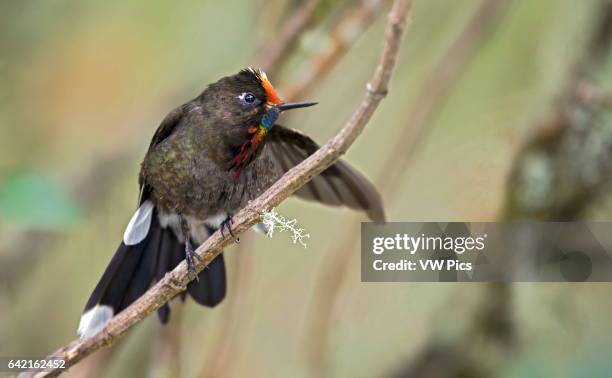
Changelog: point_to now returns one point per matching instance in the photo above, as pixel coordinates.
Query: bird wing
(338, 185)
(165, 129)
(167, 126)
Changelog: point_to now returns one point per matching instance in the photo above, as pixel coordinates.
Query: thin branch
(433, 93)
(590, 94)
(439, 85)
(280, 47)
(176, 281)
(342, 37)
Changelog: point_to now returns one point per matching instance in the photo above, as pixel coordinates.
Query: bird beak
(273, 111)
(294, 105)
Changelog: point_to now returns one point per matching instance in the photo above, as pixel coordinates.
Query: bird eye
(248, 97)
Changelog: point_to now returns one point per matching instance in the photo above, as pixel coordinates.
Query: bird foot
(191, 256)
(227, 224)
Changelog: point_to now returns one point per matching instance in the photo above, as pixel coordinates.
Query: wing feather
(338, 185)
(165, 129)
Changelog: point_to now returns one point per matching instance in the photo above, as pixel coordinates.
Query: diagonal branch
(433, 93)
(176, 281)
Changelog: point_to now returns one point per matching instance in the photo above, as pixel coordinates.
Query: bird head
(246, 106)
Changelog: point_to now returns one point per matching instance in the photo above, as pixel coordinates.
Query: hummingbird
(208, 158)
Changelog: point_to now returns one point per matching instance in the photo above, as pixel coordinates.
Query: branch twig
(176, 281)
(433, 93)
(342, 37)
(274, 54)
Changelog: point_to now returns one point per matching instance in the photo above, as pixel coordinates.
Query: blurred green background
(83, 86)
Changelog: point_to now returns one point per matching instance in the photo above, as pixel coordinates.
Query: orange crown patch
(271, 94)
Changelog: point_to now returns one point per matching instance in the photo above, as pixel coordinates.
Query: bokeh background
(497, 110)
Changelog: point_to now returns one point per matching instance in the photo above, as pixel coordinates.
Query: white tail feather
(139, 225)
(94, 320)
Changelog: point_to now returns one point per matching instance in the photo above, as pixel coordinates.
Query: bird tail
(148, 250)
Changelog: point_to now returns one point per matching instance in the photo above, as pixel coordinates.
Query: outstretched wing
(338, 185)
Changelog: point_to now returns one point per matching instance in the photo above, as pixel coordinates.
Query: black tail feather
(134, 268)
(211, 286)
(171, 253)
(167, 248)
(209, 290)
(143, 273)
(129, 273)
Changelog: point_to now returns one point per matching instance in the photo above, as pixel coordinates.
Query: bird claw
(227, 224)
(191, 256)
